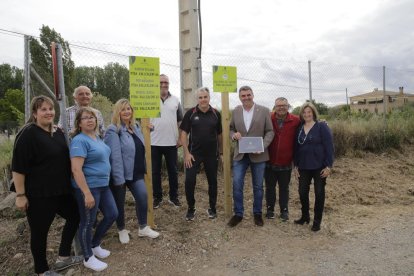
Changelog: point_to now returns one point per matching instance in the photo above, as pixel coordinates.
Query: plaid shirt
(70, 119)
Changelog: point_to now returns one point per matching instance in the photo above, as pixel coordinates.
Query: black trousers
(210, 167)
(319, 183)
(170, 155)
(40, 215)
(275, 176)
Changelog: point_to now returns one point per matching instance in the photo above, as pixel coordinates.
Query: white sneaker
(95, 264)
(148, 232)
(100, 252)
(123, 236)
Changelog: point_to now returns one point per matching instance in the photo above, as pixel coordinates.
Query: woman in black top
(41, 174)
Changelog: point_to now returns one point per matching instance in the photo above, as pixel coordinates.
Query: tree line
(110, 81)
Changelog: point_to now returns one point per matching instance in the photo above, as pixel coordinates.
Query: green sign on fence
(224, 78)
(144, 86)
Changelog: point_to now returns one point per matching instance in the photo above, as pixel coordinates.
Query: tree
(11, 77)
(104, 105)
(111, 81)
(12, 109)
(42, 58)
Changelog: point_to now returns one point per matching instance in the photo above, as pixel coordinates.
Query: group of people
(93, 172)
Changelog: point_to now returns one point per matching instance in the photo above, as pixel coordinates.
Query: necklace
(304, 139)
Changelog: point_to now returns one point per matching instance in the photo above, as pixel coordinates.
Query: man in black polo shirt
(203, 124)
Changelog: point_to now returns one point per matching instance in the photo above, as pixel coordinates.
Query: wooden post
(225, 121)
(148, 176)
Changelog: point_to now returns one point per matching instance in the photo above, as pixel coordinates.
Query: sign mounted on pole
(144, 86)
(224, 79)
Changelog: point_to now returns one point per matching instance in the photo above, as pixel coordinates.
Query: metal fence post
(26, 77)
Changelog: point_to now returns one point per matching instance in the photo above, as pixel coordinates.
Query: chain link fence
(104, 68)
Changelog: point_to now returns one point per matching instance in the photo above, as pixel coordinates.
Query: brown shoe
(234, 221)
(258, 220)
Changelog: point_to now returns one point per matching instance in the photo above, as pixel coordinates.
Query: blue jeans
(139, 192)
(239, 172)
(170, 155)
(106, 203)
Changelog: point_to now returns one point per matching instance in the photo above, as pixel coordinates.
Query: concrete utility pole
(190, 64)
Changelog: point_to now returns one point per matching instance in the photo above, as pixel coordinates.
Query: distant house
(373, 102)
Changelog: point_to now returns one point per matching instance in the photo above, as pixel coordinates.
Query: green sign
(224, 78)
(144, 86)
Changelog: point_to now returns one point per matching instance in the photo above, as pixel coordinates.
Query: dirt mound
(360, 190)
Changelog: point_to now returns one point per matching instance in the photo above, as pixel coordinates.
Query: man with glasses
(279, 167)
(83, 98)
(249, 120)
(164, 142)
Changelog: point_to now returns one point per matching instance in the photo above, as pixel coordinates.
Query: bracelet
(20, 195)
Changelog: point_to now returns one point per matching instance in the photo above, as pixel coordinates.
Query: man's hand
(89, 201)
(188, 160)
(236, 136)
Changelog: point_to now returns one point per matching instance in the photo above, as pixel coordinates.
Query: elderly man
(83, 97)
(203, 124)
(249, 120)
(164, 142)
(279, 167)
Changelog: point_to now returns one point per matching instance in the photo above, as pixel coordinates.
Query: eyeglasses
(281, 106)
(164, 82)
(88, 118)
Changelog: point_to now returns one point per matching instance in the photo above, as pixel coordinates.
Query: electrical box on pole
(190, 60)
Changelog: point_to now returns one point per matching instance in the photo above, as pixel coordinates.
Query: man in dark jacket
(279, 168)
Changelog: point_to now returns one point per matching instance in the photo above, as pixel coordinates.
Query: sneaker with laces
(157, 203)
(68, 262)
(270, 214)
(95, 264)
(175, 202)
(212, 214)
(123, 236)
(100, 252)
(284, 216)
(51, 273)
(148, 232)
(190, 214)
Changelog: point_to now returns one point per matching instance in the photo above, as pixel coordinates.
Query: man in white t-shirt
(164, 142)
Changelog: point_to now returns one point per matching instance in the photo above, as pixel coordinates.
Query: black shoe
(316, 226)
(212, 214)
(302, 221)
(176, 202)
(270, 214)
(234, 221)
(190, 214)
(284, 216)
(157, 203)
(258, 220)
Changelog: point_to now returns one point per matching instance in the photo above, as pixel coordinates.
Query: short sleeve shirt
(96, 166)
(203, 128)
(44, 160)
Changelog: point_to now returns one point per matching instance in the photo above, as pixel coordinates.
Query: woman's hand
(188, 160)
(325, 172)
(22, 203)
(89, 201)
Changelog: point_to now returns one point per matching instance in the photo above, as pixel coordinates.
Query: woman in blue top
(91, 168)
(313, 160)
(126, 141)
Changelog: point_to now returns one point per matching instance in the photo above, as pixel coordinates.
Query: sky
(270, 41)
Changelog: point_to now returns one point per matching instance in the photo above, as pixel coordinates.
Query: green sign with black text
(224, 78)
(144, 86)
